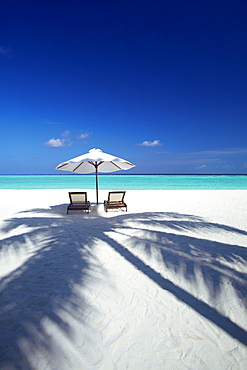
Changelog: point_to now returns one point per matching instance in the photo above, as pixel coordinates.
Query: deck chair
(78, 200)
(115, 200)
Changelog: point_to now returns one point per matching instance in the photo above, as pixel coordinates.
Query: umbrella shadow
(39, 290)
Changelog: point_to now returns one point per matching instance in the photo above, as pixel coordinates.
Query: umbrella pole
(96, 169)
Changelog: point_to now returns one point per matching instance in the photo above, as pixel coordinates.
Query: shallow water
(126, 182)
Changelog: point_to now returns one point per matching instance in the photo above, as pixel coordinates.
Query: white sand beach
(162, 286)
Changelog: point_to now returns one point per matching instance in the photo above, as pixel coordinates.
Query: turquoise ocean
(125, 182)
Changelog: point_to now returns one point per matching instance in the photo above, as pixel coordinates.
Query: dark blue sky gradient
(160, 83)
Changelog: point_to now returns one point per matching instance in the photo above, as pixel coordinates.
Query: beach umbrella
(95, 161)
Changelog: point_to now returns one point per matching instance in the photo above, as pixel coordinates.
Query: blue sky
(160, 83)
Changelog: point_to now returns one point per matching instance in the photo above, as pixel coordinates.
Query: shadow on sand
(52, 239)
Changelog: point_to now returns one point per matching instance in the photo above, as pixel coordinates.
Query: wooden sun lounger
(115, 200)
(78, 201)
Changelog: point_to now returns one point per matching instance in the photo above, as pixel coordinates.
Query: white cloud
(59, 143)
(202, 166)
(65, 134)
(150, 143)
(84, 135)
(55, 143)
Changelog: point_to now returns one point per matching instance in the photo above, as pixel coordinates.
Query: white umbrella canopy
(95, 161)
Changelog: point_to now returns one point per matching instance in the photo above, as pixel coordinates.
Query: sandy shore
(162, 286)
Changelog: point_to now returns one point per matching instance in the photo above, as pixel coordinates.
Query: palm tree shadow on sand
(40, 291)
